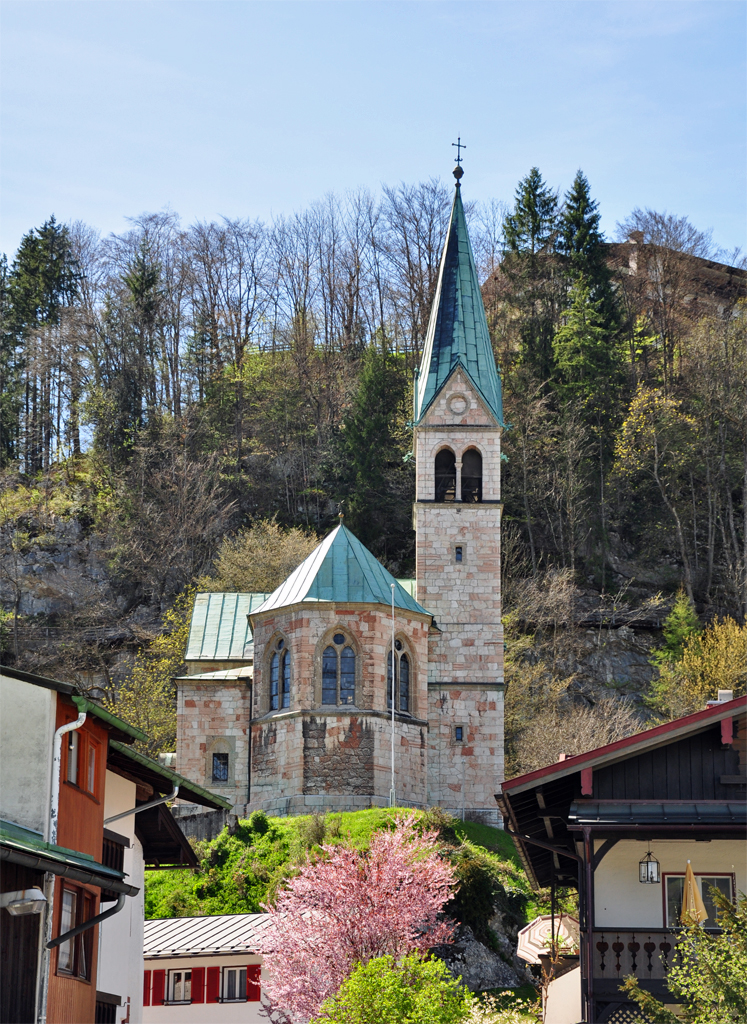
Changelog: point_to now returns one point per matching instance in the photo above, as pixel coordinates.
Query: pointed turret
(458, 329)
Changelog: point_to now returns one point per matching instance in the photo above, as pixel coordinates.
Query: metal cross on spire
(459, 145)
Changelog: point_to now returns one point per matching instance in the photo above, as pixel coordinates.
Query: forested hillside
(164, 388)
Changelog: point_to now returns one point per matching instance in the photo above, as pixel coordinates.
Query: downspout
(54, 810)
(143, 807)
(90, 923)
(54, 807)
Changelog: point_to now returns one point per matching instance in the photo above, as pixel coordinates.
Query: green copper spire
(458, 329)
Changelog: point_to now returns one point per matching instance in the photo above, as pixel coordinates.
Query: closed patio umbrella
(692, 902)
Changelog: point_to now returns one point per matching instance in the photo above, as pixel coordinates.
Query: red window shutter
(253, 987)
(213, 985)
(198, 984)
(146, 988)
(159, 987)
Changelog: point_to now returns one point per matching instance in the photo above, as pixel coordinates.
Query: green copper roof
(458, 329)
(342, 570)
(220, 629)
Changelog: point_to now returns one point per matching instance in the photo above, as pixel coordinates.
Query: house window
(459, 734)
(220, 767)
(180, 987)
(675, 889)
(74, 956)
(402, 673)
(471, 475)
(338, 672)
(280, 677)
(91, 780)
(458, 554)
(73, 745)
(234, 984)
(445, 475)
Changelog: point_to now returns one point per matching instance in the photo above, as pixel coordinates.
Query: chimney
(636, 237)
(723, 697)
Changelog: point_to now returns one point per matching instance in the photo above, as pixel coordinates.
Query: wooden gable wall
(690, 769)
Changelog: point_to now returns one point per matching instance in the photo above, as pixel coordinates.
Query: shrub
(412, 990)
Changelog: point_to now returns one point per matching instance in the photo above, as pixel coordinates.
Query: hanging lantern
(649, 869)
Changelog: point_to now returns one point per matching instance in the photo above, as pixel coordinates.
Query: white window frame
(241, 972)
(701, 877)
(185, 978)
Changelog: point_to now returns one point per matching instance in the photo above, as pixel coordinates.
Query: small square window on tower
(459, 553)
(458, 734)
(220, 767)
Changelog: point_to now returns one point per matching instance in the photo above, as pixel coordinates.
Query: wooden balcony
(646, 953)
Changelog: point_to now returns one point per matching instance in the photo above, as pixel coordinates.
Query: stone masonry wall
(313, 756)
(465, 661)
(213, 717)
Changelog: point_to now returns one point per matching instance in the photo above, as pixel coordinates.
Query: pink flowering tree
(349, 907)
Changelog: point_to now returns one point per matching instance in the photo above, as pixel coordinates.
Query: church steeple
(458, 329)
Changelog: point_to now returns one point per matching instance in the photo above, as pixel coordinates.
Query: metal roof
(189, 936)
(656, 812)
(243, 672)
(458, 329)
(341, 570)
(220, 629)
(22, 846)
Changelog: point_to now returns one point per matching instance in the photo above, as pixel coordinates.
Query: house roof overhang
(543, 812)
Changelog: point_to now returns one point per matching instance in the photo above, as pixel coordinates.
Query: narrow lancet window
(445, 475)
(402, 678)
(280, 676)
(329, 676)
(471, 475)
(274, 673)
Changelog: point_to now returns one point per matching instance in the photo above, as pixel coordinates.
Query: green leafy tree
(710, 661)
(147, 697)
(412, 990)
(259, 558)
(709, 974)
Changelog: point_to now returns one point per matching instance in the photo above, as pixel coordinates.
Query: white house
(203, 969)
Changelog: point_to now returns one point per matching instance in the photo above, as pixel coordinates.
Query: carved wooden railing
(647, 953)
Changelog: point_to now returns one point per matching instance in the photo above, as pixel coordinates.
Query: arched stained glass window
(329, 676)
(402, 672)
(404, 683)
(347, 676)
(274, 673)
(338, 672)
(286, 681)
(280, 676)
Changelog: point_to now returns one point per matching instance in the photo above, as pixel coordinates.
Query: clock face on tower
(457, 404)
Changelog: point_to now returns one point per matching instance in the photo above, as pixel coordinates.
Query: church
(345, 688)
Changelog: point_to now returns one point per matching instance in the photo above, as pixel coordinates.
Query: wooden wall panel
(81, 815)
(688, 770)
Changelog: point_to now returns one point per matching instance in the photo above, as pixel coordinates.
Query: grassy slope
(241, 872)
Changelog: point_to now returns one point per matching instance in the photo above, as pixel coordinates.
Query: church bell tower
(458, 419)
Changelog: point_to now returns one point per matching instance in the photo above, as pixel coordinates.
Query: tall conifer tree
(530, 235)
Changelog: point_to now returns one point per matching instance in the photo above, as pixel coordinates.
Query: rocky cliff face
(64, 613)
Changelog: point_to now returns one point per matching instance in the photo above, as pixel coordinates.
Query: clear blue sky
(112, 109)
